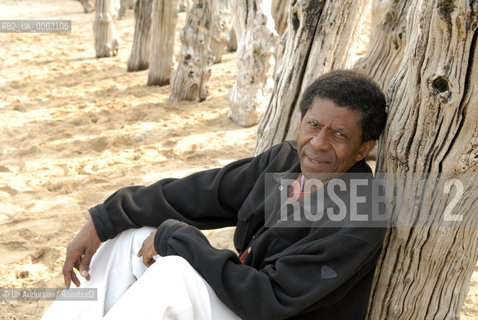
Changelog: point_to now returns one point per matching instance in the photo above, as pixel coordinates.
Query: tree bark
(163, 29)
(140, 50)
(255, 58)
(424, 272)
(122, 9)
(321, 37)
(221, 24)
(88, 6)
(194, 67)
(232, 43)
(106, 40)
(387, 40)
(184, 5)
(280, 13)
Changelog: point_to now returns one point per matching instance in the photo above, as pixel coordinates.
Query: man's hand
(79, 254)
(147, 250)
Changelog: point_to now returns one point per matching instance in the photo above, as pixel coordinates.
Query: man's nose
(320, 141)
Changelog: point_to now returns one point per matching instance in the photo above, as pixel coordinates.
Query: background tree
(256, 40)
(163, 29)
(280, 14)
(140, 50)
(88, 6)
(232, 43)
(221, 24)
(184, 5)
(387, 40)
(106, 40)
(194, 66)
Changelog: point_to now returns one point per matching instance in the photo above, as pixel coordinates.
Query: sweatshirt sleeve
(287, 284)
(208, 199)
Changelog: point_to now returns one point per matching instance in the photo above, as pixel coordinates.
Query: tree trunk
(387, 40)
(221, 24)
(106, 40)
(163, 29)
(184, 5)
(321, 36)
(255, 58)
(425, 271)
(280, 13)
(131, 4)
(122, 9)
(88, 6)
(194, 67)
(139, 58)
(232, 43)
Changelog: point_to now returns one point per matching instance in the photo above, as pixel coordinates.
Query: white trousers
(126, 289)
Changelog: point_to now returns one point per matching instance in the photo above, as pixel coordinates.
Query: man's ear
(365, 149)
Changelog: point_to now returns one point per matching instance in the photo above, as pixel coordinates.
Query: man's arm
(207, 200)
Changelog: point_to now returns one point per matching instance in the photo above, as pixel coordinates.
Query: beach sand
(73, 129)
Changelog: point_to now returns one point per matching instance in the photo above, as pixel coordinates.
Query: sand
(73, 129)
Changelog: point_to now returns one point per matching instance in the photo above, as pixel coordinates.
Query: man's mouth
(315, 161)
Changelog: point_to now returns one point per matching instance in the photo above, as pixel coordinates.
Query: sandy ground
(73, 129)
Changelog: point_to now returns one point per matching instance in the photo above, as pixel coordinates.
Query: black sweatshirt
(308, 272)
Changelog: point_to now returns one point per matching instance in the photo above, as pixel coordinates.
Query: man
(306, 271)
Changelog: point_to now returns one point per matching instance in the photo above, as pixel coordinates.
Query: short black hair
(353, 90)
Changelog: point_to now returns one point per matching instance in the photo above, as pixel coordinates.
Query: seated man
(319, 270)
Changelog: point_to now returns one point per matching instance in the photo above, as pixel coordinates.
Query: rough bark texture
(122, 9)
(88, 6)
(184, 5)
(387, 40)
(163, 28)
(106, 40)
(140, 50)
(424, 272)
(221, 24)
(321, 36)
(255, 58)
(280, 13)
(194, 67)
(232, 43)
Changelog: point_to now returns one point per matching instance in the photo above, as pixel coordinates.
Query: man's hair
(355, 91)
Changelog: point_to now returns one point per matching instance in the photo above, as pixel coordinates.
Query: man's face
(330, 139)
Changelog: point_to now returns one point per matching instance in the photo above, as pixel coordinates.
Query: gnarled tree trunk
(184, 5)
(163, 28)
(88, 6)
(140, 50)
(424, 272)
(321, 36)
(106, 40)
(194, 67)
(221, 24)
(387, 40)
(232, 43)
(280, 13)
(255, 58)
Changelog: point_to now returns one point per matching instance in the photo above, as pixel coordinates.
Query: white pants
(127, 289)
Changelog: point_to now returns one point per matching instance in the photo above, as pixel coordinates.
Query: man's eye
(313, 124)
(339, 134)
